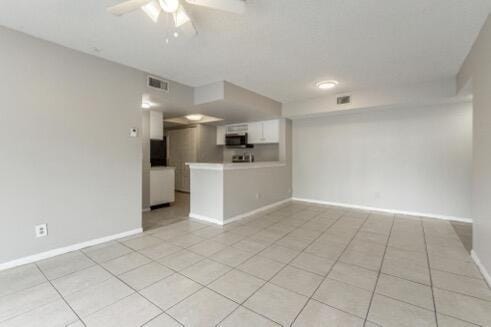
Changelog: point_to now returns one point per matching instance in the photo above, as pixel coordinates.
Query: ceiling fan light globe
(169, 6)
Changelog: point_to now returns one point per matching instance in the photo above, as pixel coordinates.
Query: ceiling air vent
(157, 83)
(345, 99)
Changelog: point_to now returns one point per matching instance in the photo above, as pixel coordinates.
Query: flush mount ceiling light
(326, 85)
(194, 117)
(146, 105)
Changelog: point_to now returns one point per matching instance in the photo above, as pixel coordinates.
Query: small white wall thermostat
(134, 132)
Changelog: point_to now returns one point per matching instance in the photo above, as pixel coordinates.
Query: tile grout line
(379, 271)
(429, 271)
(330, 269)
(62, 297)
(285, 264)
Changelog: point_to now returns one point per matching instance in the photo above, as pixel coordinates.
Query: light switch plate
(134, 132)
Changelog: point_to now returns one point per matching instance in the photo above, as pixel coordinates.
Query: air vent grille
(345, 99)
(157, 83)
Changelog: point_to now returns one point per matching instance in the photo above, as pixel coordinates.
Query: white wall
(477, 70)
(66, 157)
(411, 159)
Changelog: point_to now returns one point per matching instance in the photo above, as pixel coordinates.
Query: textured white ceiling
(279, 48)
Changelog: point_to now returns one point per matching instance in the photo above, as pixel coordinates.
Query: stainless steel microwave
(238, 140)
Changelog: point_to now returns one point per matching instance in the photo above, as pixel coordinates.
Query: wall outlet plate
(134, 132)
(41, 230)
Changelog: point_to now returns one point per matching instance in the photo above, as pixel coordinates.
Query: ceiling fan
(176, 8)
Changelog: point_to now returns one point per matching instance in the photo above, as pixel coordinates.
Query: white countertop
(234, 166)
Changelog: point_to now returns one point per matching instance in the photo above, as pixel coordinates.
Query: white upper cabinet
(156, 125)
(221, 135)
(261, 132)
(271, 131)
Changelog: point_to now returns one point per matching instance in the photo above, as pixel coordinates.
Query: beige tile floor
(299, 265)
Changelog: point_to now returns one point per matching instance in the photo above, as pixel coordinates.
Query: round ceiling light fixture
(169, 6)
(146, 105)
(194, 117)
(326, 85)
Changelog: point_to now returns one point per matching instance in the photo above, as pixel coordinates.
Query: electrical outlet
(41, 230)
(134, 132)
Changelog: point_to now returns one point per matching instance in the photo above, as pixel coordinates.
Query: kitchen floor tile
(180, 260)
(106, 251)
(64, 264)
(81, 279)
(20, 278)
(231, 256)
(207, 248)
(205, 271)
(464, 307)
(354, 275)
(279, 253)
(53, 314)
(313, 263)
(125, 263)
(461, 284)
(406, 291)
(159, 251)
(164, 320)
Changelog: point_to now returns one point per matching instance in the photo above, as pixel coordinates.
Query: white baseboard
(238, 217)
(205, 218)
(66, 249)
(481, 267)
(398, 212)
(256, 211)
(146, 209)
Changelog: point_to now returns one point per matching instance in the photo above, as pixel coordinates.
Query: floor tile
(125, 263)
(313, 263)
(20, 278)
(81, 279)
(64, 264)
(204, 308)
(53, 314)
(180, 260)
(94, 298)
(26, 300)
(406, 269)
(261, 267)
(465, 268)
(388, 312)
(461, 284)
(463, 307)
(231, 256)
(159, 251)
(279, 253)
(205, 271)
(107, 251)
(207, 248)
(297, 280)
(142, 242)
(254, 246)
(236, 285)
(145, 275)
(276, 303)
(446, 321)
(228, 238)
(344, 297)
(293, 243)
(131, 311)
(362, 259)
(243, 317)
(326, 249)
(406, 291)
(354, 275)
(170, 290)
(186, 240)
(164, 320)
(316, 314)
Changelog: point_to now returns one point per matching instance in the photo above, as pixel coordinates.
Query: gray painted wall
(477, 70)
(412, 159)
(66, 155)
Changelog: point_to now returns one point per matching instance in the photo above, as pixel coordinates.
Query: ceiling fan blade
(153, 10)
(127, 6)
(181, 17)
(233, 6)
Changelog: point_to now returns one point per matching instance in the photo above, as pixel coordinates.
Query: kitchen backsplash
(261, 152)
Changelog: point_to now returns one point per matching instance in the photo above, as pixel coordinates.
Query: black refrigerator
(158, 152)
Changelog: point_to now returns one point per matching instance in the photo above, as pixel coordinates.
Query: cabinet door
(221, 135)
(255, 133)
(156, 125)
(271, 131)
